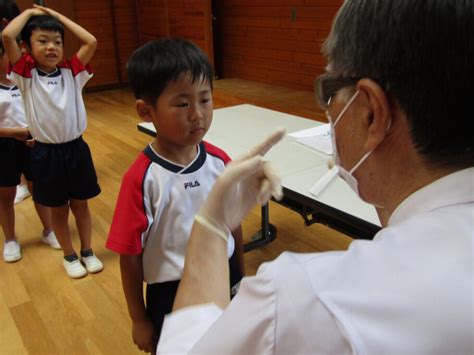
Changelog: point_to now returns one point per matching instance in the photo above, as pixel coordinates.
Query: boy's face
(183, 112)
(46, 47)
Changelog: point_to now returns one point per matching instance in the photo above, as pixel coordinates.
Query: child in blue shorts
(163, 189)
(61, 162)
(14, 153)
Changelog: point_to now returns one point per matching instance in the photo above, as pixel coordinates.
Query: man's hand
(245, 182)
(143, 333)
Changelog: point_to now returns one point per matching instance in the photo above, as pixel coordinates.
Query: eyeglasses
(325, 87)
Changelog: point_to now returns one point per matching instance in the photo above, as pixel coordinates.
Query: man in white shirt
(398, 97)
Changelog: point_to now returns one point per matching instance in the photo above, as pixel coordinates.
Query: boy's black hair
(41, 22)
(155, 64)
(8, 10)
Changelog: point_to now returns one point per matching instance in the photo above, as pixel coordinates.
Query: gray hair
(422, 53)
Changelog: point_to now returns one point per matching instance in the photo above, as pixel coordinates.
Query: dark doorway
(217, 36)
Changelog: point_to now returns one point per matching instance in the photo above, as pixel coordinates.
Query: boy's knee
(79, 206)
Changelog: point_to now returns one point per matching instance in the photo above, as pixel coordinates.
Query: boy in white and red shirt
(165, 186)
(14, 158)
(61, 163)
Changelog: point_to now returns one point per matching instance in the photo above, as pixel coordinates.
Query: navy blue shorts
(62, 172)
(14, 161)
(160, 296)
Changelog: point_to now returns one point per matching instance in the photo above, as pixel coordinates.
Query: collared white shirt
(409, 291)
(54, 108)
(156, 206)
(12, 113)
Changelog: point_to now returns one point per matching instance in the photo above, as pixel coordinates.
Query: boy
(164, 188)
(61, 162)
(14, 153)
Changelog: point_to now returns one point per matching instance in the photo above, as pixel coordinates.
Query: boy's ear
(144, 110)
(24, 47)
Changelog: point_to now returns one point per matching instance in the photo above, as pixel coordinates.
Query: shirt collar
(53, 74)
(193, 166)
(8, 88)
(453, 189)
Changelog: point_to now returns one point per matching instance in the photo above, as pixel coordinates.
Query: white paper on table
(317, 138)
(324, 181)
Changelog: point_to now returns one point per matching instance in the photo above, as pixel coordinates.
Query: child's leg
(44, 213)
(59, 219)
(7, 212)
(81, 212)
(80, 209)
(22, 192)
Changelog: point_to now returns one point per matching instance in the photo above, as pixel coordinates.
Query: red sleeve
(217, 152)
(76, 66)
(23, 66)
(130, 220)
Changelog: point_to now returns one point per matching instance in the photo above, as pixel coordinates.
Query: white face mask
(343, 173)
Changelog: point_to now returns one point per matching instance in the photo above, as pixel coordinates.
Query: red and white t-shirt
(12, 114)
(54, 108)
(156, 206)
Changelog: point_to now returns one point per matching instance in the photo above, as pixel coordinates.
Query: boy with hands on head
(15, 146)
(51, 88)
(166, 185)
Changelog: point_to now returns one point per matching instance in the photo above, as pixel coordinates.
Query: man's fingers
(239, 170)
(269, 142)
(274, 180)
(270, 185)
(263, 147)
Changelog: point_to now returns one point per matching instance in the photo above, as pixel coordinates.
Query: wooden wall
(125, 14)
(274, 41)
(176, 18)
(270, 41)
(114, 23)
(152, 18)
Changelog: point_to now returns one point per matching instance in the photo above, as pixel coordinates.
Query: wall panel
(274, 41)
(176, 18)
(96, 17)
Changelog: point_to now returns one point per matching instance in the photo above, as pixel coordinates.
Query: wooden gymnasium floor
(43, 311)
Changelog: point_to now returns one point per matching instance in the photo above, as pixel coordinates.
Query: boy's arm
(88, 41)
(19, 133)
(11, 32)
(239, 248)
(143, 332)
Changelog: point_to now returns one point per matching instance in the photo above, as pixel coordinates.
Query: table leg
(265, 235)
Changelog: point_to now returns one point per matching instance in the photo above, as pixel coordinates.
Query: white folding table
(238, 128)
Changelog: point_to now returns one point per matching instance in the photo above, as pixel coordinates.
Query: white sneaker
(11, 251)
(74, 268)
(21, 193)
(51, 240)
(92, 263)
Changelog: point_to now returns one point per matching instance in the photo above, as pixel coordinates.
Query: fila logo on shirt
(188, 185)
(52, 83)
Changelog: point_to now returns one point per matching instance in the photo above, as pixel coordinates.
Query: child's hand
(36, 12)
(21, 134)
(30, 143)
(143, 333)
(45, 10)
